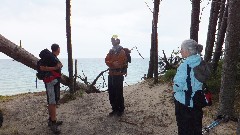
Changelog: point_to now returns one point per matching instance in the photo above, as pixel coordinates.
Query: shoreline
(149, 110)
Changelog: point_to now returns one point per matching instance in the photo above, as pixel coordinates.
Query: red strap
(52, 77)
(208, 96)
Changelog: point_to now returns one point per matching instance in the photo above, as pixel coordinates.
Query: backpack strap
(188, 93)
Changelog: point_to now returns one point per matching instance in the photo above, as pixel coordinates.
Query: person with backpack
(186, 86)
(52, 65)
(116, 60)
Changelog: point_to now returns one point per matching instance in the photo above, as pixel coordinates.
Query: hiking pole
(36, 82)
(220, 119)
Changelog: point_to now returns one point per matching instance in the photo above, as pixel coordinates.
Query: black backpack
(46, 59)
(127, 52)
(203, 71)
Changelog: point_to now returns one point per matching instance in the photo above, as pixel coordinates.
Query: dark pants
(115, 90)
(189, 120)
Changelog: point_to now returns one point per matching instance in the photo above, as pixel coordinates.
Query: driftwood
(21, 55)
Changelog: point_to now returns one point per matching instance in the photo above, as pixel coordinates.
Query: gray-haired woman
(189, 117)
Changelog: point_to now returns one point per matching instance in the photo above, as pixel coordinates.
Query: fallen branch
(95, 80)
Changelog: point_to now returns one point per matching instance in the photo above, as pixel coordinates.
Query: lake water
(17, 78)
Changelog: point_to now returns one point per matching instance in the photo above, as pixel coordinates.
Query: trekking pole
(36, 82)
(220, 119)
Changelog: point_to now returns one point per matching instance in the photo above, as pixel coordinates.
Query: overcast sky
(39, 23)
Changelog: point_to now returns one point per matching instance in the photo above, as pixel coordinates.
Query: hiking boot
(54, 128)
(112, 113)
(58, 123)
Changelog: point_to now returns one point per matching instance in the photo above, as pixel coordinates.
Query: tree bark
(69, 45)
(228, 81)
(21, 55)
(195, 20)
(150, 68)
(212, 29)
(222, 6)
(155, 39)
(220, 40)
(153, 62)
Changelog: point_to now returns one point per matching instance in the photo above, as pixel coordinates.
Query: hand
(58, 66)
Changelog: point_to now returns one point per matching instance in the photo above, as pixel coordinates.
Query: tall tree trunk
(21, 55)
(150, 68)
(153, 62)
(222, 6)
(155, 39)
(228, 81)
(220, 40)
(69, 45)
(195, 20)
(212, 29)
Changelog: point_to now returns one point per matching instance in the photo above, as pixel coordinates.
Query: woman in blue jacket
(189, 117)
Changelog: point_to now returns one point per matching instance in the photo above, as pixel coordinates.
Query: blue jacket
(180, 84)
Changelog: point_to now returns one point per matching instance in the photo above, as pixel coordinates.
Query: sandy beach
(149, 111)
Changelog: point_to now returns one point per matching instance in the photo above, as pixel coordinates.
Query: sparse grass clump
(5, 98)
(69, 97)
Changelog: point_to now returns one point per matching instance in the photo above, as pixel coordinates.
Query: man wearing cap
(116, 61)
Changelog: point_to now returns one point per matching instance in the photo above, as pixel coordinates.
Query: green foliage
(214, 83)
(169, 75)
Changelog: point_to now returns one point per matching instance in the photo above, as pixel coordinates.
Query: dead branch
(95, 80)
(137, 51)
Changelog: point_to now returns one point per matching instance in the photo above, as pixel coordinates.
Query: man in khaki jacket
(116, 60)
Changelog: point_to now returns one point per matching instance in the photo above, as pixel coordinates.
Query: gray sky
(39, 23)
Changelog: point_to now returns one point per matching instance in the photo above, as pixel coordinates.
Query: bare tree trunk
(212, 29)
(222, 6)
(75, 76)
(228, 82)
(155, 39)
(150, 68)
(220, 40)
(195, 20)
(21, 55)
(69, 45)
